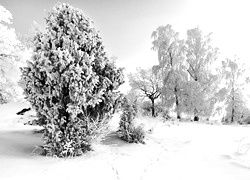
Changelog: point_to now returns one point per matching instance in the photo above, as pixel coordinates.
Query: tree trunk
(232, 117)
(177, 104)
(196, 117)
(153, 107)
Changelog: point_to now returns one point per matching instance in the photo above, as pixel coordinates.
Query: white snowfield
(188, 151)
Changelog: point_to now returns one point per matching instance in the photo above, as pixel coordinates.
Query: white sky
(228, 20)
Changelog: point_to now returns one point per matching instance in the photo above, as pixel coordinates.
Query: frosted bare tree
(172, 65)
(148, 83)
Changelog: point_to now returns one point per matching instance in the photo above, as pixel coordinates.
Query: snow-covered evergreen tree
(127, 130)
(70, 82)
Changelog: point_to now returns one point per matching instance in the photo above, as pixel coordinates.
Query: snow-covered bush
(246, 120)
(71, 83)
(166, 116)
(127, 129)
(138, 134)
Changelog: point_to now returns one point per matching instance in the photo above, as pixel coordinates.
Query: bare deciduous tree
(148, 83)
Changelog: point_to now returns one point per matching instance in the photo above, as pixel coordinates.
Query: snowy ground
(178, 152)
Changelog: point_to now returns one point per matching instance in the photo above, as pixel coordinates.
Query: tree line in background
(189, 79)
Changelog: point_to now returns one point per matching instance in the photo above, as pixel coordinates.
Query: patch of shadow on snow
(240, 165)
(227, 157)
(19, 143)
(113, 140)
(238, 160)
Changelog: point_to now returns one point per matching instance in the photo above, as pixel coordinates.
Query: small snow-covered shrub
(139, 134)
(3, 98)
(246, 120)
(71, 83)
(166, 116)
(127, 129)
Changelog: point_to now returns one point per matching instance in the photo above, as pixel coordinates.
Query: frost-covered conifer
(70, 82)
(127, 129)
